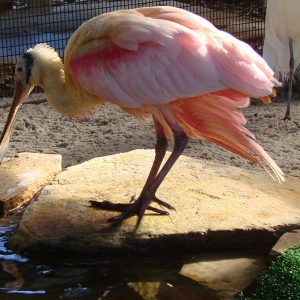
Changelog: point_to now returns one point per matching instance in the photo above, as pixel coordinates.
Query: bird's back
(157, 55)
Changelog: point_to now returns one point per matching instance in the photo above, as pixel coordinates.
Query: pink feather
(179, 68)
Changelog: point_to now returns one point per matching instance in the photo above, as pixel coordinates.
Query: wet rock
(227, 274)
(285, 242)
(217, 207)
(22, 177)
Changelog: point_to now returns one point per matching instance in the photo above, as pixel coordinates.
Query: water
(94, 278)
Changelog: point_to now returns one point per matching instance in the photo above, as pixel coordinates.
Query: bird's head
(28, 73)
(22, 79)
(22, 88)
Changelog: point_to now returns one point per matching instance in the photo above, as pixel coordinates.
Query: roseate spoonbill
(282, 40)
(190, 77)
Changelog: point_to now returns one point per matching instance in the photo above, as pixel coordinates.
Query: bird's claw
(163, 203)
(158, 201)
(137, 206)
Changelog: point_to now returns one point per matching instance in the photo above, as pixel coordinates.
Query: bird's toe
(163, 203)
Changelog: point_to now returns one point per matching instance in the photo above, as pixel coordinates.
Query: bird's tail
(215, 117)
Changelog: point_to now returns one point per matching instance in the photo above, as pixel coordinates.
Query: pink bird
(190, 77)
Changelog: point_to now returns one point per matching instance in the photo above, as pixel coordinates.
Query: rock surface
(286, 241)
(227, 274)
(22, 177)
(217, 207)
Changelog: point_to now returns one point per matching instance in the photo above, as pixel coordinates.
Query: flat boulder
(23, 176)
(218, 207)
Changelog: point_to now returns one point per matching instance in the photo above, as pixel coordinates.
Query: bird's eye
(19, 70)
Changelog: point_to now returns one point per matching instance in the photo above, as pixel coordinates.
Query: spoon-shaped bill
(21, 93)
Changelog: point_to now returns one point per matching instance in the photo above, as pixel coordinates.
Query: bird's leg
(160, 151)
(291, 75)
(148, 194)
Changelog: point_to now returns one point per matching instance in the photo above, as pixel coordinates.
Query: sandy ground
(109, 130)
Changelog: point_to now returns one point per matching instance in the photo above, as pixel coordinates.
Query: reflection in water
(20, 292)
(11, 268)
(76, 292)
(8, 259)
(7, 225)
(147, 290)
(50, 277)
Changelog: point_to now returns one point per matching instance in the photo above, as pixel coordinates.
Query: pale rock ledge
(23, 176)
(218, 207)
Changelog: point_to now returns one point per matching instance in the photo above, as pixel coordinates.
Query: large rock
(217, 207)
(23, 176)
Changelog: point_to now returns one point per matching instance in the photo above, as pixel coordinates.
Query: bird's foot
(137, 206)
(287, 116)
(155, 199)
(122, 207)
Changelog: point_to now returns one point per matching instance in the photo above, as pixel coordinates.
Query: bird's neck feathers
(63, 95)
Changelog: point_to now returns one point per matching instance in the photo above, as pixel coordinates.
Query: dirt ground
(109, 130)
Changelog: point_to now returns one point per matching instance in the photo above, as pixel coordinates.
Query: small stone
(22, 177)
(226, 274)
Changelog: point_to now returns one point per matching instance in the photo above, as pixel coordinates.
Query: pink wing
(156, 61)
